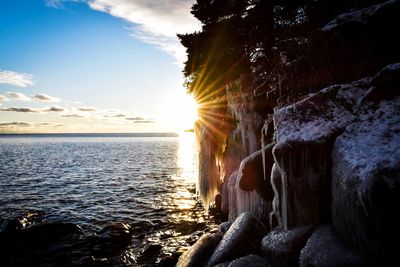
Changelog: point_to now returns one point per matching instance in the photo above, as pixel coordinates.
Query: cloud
(72, 115)
(23, 110)
(144, 121)
(33, 110)
(46, 98)
(154, 21)
(14, 124)
(58, 3)
(53, 109)
(115, 116)
(135, 119)
(17, 96)
(139, 120)
(2, 97)
(89, 109)
(16, 79)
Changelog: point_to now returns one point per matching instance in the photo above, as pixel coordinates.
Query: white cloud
(17, 96)
(155, 21)
(22, 110)
(33, 110)
(2, 97)
(14, 124)
(72, 115)
(88, 109)
(58, 3)
(46, 98)
(53, 109)
(16, 79)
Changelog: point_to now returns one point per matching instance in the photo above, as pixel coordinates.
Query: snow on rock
(200, 252)
(360, 16)
(304, 136)
(282, 248)
(324, 249)
(242, 238)
(366, 179)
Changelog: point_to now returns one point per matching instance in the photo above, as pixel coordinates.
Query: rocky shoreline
(28, 240)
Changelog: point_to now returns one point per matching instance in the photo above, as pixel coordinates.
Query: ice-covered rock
(324, 249)
(366, 179)
(223, 227)
(282, 248)
(236, 201)
(200, 252)
(246, 189)
(242, 238)
(304, 135)
(251, 172)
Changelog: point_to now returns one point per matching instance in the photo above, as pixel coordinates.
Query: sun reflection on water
(185, 200)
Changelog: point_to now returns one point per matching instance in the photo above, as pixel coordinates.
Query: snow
(317, 116)
(372, 143)
(361, 15)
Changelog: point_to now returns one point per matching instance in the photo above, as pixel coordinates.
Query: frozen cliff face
(246, 189)
(366, 179)
(208, 180)
(304, 136)
(236, 200)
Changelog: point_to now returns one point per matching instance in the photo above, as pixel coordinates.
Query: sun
(183, 110)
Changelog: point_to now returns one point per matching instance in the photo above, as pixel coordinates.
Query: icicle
(275, 175)
(243, 132)
(264, 132)
(207, 185)
(283, 212)
(251, 135)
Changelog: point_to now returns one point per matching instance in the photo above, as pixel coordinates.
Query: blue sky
(93, 66)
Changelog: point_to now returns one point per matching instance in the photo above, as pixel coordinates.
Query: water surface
(148, 182)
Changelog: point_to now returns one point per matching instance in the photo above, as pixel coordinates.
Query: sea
(92, 180)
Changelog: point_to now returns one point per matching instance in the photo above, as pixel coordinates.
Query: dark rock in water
(113, 239)
(23, 221)
(62, 244)
(282, 248)
(170, 261)
(242, 238)
(247, 261)
(151, 251)
(324, 249)
(366, 180)
(252, 176)
(200, 252)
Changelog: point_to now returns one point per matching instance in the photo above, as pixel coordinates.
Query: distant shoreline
(41, 135)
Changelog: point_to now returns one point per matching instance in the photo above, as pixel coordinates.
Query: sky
(94, 66)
